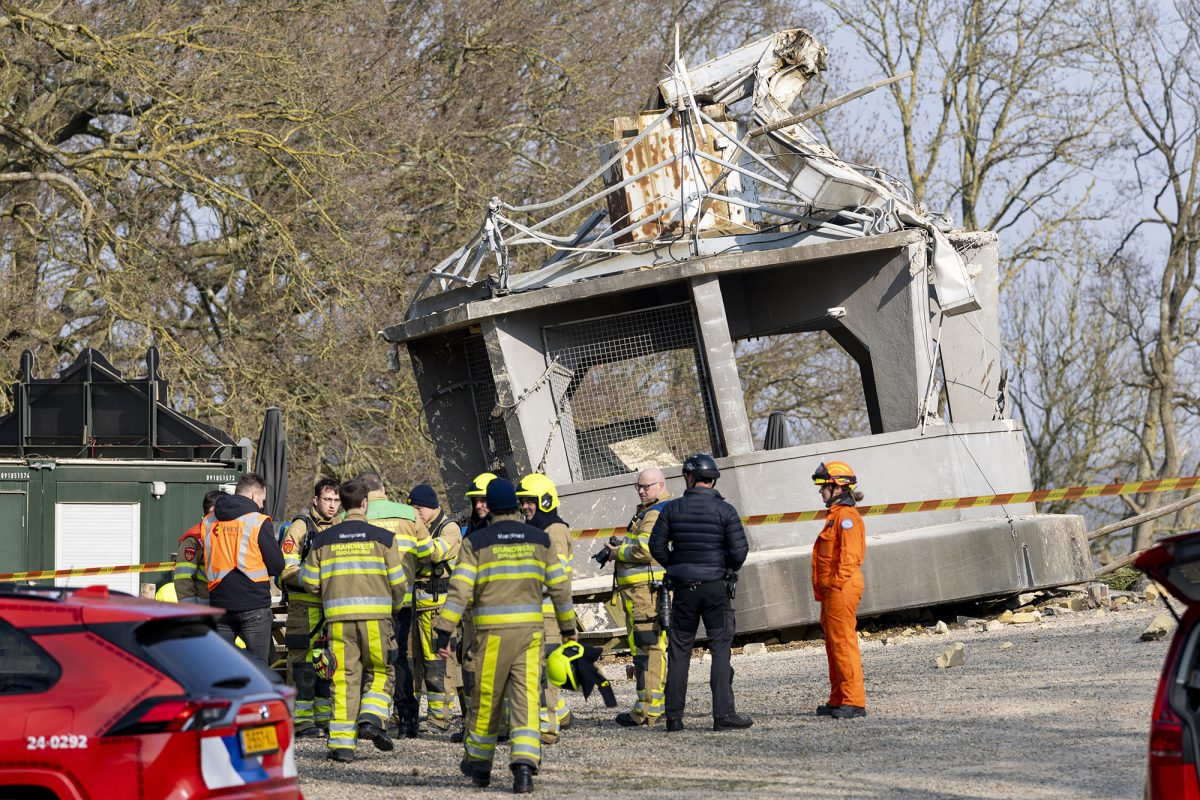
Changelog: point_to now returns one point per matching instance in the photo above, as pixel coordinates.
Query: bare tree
(998, 118)
(1148, 53)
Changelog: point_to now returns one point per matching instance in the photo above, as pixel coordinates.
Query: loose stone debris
(953, 657)
(1159, 628)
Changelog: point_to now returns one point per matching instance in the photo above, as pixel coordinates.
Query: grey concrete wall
(440, 362)
(922, 567)
(971, 356)
(947, 461)
(884, 327)
(722, 368)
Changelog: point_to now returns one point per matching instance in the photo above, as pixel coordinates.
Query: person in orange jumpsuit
(838, 586)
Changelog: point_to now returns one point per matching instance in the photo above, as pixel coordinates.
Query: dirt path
(1063, 713)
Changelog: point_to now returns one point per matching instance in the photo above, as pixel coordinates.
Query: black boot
(522, 778)
(408, 726)
(848, 712)
(732, 722)
(475, 773)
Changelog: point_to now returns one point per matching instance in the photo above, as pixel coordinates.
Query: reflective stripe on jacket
(357, 570)
(839, 549)
(293, 549)
(501, 573)
(233, 545)
(634, 563)
(189, 576)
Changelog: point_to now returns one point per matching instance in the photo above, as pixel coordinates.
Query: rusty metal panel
(674, 182)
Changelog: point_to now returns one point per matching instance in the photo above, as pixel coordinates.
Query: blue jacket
(699, 536)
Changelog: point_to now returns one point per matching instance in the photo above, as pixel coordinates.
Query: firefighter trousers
(649, 648)
(838, 620)
(435, 677)
(506, 664)
(362, 684)
(553, 713)
(314, 705)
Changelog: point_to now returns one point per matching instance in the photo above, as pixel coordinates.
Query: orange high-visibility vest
(233, 544)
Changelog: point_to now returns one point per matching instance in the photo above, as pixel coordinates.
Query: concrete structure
(890, 328)
(620, 351)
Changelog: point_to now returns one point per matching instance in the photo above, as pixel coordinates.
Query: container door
(98, 535)
(14, 516)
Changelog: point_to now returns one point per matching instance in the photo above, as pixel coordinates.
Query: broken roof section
(688, 179)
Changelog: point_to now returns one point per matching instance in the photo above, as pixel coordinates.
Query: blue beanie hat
(501, 495)
(423, 495)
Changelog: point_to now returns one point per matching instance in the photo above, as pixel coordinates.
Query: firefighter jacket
(634, 563)
(501, 573)
(560, 540)
(433, 574)
(839, 549)
(401, 519)
(358, 570)
(297, 541)
(240, 555)
(191, 583)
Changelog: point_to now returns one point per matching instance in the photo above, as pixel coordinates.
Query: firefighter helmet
(701, 466)
(540, 488)
(560, 665)
(478, 486)
(835, 472)
(324, 663)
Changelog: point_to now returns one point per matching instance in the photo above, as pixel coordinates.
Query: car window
(199, 660)
(25, 668)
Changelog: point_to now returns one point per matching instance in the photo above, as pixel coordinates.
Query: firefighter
(191, 585)
(361, 572)
(502, 572)
(479, 517)
(539, 504)
(400, 519)
(838, 586)
(305, 621)
(476, 496)
(639, 579)
(241, 555)
(437, 678)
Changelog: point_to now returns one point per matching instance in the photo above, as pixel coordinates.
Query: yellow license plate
(256, 741)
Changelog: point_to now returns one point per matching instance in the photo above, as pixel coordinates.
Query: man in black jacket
(699, 539)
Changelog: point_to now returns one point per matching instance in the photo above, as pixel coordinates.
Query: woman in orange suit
(838, 586)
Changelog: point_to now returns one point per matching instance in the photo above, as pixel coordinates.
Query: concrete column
(518, 361)
(723, 376)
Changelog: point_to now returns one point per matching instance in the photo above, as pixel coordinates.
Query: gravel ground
(1063, 713)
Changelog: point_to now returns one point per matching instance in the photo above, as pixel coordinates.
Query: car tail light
(172, 715)
(1171, 771)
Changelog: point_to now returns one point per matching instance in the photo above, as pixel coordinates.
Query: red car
(1175, 722)
(106, 695)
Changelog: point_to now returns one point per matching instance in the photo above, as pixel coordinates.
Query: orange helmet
(835, 472)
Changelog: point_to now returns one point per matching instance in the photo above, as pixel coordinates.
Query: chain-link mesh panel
(493, 434)
(632, 392)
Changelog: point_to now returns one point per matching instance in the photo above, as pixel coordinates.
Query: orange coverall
(838, 586)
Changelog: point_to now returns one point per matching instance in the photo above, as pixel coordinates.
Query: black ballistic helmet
(702, 467)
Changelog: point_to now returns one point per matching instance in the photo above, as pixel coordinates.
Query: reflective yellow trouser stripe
(343, 733)
(376, 699)
(480, 742)
(526, 742)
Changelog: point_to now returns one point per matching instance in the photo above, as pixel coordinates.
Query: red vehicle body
(1175, 721)
(107, 696)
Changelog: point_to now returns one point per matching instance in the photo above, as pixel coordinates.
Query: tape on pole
(946, 504)
(952, 503)
(84, 572)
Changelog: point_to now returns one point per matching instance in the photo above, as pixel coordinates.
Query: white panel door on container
(98, 535)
